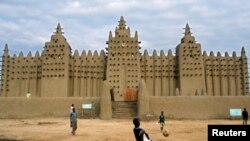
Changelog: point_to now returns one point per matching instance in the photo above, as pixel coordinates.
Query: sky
(218, 25)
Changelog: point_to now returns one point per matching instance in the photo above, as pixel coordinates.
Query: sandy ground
(58, 129)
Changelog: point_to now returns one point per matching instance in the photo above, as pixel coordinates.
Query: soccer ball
(165, 133)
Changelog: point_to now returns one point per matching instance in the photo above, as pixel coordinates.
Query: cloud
(207, 11)
(217, 25)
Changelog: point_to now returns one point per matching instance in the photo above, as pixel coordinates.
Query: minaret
(5, 71)
(123, 63)
(244, 70)
(188, 38)
(6, 50)
(190, 63)
(122, 23)
(58, 29)
(187, 30)
(56, 66)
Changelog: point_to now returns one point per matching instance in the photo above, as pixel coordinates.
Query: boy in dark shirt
(245, 116)
(162, 121)
(139, 132)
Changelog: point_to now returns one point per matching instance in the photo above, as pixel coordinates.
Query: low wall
(42, 107)
(177, 107)
(197, 107)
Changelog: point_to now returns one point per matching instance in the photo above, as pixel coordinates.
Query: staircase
(124, 110)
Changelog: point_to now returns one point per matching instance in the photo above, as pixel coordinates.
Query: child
(73, 121)
(71, 108)
(162, 120)
(140, 134)
(245, 116)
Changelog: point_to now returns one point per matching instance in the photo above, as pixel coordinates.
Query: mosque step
(121, 104)
(124, 110)
(124, 115)
(132, 111)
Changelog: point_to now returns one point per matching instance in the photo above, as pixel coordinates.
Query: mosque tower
(123, 63)
(56, 66)
(5, 72)
(244, 75)
(190, 63)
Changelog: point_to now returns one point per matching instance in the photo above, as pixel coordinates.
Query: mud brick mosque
(123, 73)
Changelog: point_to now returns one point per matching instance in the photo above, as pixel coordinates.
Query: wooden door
(130, 94)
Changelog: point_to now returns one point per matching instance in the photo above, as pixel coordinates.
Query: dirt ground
(58, 129)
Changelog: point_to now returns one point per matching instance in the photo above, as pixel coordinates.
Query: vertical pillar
(143, 100)
(105, 103)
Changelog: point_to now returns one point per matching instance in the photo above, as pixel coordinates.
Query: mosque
(56, 72)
